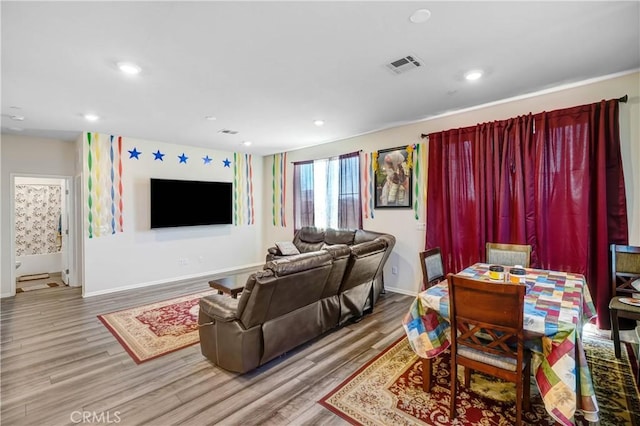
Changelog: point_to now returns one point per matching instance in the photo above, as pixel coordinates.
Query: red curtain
(553, 180)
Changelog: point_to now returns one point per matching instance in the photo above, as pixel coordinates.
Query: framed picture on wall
(393, 178)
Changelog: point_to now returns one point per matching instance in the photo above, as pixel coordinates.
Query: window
(326, 192)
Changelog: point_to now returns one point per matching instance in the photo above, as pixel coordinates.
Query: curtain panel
(38, 210)
(349, 198)
(326, 192)
(553, 180)
(303, 206)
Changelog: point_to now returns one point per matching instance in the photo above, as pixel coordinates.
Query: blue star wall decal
(207, 159)
(158, 155)
(134, 153)
(183, 158)
(227, 163)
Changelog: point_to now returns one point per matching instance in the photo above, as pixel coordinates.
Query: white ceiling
(269, 69)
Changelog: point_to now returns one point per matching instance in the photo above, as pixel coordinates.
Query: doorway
(42, 249)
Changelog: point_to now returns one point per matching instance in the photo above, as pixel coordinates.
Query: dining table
(556, 306)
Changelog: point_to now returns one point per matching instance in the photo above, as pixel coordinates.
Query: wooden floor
(57, 361)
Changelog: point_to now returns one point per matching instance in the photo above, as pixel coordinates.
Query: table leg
(426, 374)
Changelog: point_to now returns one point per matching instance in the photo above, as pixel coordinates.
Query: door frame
(70, 200)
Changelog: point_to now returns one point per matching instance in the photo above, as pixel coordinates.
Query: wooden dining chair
(432, 267)
(638, 358)
(508, 254)
(432, 273)
(487, 335)
(625, 276)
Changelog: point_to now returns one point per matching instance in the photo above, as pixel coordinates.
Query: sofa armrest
(274, 251)
(219, 307)
(369, 247)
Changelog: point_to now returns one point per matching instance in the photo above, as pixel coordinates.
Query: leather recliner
(293, 300)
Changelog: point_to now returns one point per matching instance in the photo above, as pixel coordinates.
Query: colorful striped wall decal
(372, 181)
(113, 188)
(236, 190)
(278, 176)
(365, 185)
(283, 186)
(90, 187)
(249, 179)
(420, 181)
(98, 186)
(120, 203)
(273, 189)
(243, 190)
(416, 181)
(104, 185)
(424, 160)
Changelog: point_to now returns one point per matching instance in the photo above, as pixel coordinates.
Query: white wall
(402, 224)
(2, 228)
(26, 156)
(141, 256)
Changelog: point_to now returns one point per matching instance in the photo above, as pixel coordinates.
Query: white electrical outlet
(394, 270)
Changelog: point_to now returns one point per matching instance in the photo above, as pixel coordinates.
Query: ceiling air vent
(228, 132)
(404, 64)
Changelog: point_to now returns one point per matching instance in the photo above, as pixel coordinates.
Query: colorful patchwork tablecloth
(556, 306)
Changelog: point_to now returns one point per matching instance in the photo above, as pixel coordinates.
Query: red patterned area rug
(388, 391)
(150, 331)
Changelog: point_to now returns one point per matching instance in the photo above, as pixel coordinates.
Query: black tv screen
(190, 203)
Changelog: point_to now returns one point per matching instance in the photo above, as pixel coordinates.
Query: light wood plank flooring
(57, 360)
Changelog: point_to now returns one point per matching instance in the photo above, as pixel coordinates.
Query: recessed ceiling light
(473, 75)
(17, 117)
(91, 117)
(129, 68)
(246, 143)
(420, 16)
(319, 123)
(210, 118)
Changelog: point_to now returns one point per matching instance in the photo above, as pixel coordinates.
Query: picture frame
(393, 178)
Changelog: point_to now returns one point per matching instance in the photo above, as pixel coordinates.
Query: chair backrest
(432, 267)
(508, 254)
(486, 316)
(625, 269)
(285, 285)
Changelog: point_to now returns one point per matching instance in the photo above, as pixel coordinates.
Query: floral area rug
(150, 331)
(388, 391)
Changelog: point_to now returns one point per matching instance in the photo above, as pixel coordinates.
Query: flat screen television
(190, 203)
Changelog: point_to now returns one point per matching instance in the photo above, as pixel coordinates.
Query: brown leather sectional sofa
(295, 298)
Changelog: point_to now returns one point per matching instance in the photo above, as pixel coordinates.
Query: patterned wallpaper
(37, 214)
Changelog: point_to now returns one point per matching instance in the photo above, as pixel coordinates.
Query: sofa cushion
(219, 307)
(339, 236)
(338, 251)
(309, 239)
(363, 235)
(287, 248)
(299, 262)
(310, 234)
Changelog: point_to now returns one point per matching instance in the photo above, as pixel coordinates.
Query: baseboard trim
(185, 278)
(401, 291)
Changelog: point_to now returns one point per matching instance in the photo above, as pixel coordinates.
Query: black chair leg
(615, 332)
